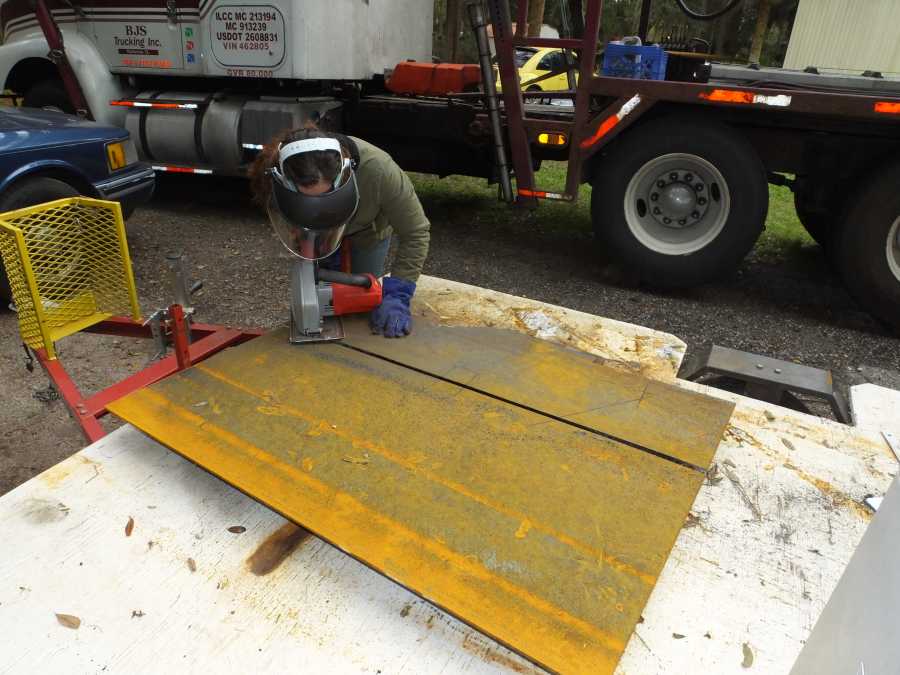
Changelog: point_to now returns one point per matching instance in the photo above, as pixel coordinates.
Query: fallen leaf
(129, 526)
(68, 621)
(678, 636)
(405, 611)
(788, 444)
(136, 614)
(748, 656)
(237, 529)
(707, 635)
(192, 566)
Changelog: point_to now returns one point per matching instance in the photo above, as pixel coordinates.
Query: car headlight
(120, 154)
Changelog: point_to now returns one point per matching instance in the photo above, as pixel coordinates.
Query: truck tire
(49, 95)
(868, 246)
(29, 192)
(680, 202)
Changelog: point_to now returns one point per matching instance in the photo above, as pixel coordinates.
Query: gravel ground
(791, 309)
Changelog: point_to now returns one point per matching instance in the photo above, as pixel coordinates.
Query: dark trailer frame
(606, 106)
(679, 170)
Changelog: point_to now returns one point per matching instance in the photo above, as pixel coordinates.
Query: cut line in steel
(537, 411)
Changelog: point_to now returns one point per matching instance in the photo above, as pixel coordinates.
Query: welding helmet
(312, 226)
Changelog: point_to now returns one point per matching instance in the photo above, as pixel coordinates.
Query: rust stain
(276, 548)
(387, 453)
(129, 526)
(837, 496)
(490, 654)
(599, 641)
(237, 529)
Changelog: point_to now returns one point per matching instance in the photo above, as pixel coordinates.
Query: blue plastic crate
(635, 62)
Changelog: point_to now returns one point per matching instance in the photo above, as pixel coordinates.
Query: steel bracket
(765, 378)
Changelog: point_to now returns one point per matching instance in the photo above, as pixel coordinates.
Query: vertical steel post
(583, 93)
(479, 26)
(512, 93)
(180, 340)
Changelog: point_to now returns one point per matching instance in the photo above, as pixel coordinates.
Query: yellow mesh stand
(68, 267)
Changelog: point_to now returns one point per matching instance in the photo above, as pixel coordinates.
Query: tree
(763, 10)
(535, 17)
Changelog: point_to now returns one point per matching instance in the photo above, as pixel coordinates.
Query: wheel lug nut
(695, 214)
(682, 222)
(701, 201)
(654, 197)
(673, 176)
(667, 220)
(689, 177)
(699, 187)
(656, 210)
(660, 183)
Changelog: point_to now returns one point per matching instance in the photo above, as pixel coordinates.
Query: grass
(459, 198)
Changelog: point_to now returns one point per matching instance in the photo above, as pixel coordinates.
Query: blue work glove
(392, 317)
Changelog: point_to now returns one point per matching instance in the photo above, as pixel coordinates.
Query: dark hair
(305, 169)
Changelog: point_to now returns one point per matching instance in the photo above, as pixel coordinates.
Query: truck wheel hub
(677, 204)
(678, 199)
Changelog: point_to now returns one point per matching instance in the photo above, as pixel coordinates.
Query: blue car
(46, 155)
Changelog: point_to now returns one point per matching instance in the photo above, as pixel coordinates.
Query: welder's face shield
(312, 226)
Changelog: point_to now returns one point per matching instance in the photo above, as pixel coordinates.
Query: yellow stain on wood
(449, 475)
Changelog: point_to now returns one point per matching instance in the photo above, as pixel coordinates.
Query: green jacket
(388, 204)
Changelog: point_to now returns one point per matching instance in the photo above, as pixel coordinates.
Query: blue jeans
(370, 260)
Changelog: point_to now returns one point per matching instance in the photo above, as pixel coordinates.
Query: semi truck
(679, 165)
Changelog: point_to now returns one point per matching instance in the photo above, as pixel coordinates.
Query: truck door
(149, 36)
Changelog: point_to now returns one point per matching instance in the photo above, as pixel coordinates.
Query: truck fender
(100, 86)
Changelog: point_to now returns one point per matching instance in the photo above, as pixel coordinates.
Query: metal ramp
(521, 486)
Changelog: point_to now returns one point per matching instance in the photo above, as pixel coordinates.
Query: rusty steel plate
(544, 535)
(560, 382)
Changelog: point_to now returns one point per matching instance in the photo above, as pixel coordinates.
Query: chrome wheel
(677, 204)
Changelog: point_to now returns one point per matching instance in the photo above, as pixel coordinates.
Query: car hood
(33, 126)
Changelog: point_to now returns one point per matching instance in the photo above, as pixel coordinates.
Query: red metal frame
(207, 340)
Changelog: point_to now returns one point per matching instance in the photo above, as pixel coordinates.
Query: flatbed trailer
(128, 558)
(649, 148)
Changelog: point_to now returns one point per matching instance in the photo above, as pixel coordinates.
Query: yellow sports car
(533, 62)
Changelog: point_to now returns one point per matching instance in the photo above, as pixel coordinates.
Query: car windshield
(522, 56)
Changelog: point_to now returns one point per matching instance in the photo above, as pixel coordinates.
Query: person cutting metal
(331, 197)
